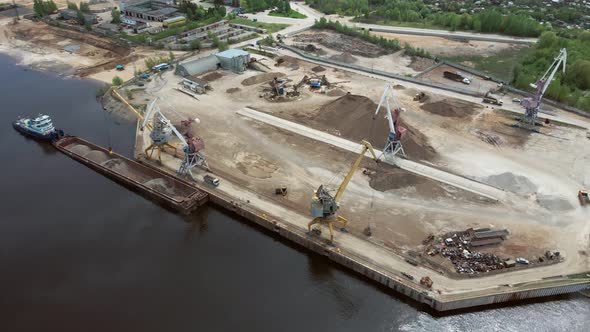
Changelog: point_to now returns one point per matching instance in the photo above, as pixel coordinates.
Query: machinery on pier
(161, 132)
(393, 146)
(324, 206)
(531, 105)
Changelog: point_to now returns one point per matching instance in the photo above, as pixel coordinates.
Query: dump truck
(456, 76)
(491, 99)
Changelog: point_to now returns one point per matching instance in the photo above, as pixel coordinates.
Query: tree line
(489, 20)
(573, 88)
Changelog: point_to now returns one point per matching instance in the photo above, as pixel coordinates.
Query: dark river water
(80, 253)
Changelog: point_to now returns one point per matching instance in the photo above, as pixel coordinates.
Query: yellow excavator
(324, 207)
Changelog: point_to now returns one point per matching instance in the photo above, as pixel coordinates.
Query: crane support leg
(313, 222)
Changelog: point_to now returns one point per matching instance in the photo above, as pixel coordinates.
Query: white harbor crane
(531, 105)
(393, 146)
(161, 133)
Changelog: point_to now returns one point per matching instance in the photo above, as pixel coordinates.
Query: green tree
(72, 6)
(84, 7)
(38, 8)
(50, 6)
(117, 81)
(116, 16)
(171, 56)
(80, 17)
(195, 44)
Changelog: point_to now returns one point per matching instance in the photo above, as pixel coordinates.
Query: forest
(571, 88)
(416, 11)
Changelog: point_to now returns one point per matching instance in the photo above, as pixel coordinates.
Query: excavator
(324, 206)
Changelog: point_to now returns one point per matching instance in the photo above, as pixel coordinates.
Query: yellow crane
(324, 207)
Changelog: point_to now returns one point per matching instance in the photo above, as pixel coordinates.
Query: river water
(80, 253)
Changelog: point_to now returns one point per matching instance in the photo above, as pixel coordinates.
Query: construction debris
(457, 247)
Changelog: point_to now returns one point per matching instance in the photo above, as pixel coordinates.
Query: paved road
(313, 15)
(408, 165)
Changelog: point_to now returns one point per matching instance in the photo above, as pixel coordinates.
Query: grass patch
(500, 65)
(260, 52)
(269, 27)
(583, 275)
(290, 14)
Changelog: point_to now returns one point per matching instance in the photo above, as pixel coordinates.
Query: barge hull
(167, 190)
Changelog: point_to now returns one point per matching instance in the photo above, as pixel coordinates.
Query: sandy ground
(478, 84)
(402, 208)
(34, 45)
(448, 47)
(355, 51)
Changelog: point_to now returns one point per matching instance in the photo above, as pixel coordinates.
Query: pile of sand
(388, 178)
(451, 108)
(80, 149)
(337, 92)
(344, 57)
(212, 76)
(97, 156)
(517, 184)
(161, 185)
(554, 203)
(318, 69)
(352, 116)
(261, 78)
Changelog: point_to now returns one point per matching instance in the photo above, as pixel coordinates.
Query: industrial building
(235, 60)
(69, 14)
(150, 10)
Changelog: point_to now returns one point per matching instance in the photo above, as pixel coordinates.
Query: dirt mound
(342, 43)
(554, 203)
(233, 90)
(517, 184)
(398, 87)
(344, 57)
(451, 108)
(336, 92)
(352, 117)
(212, 76)
(261, 78)
(387, 177)
(318, 69)
(421, 64)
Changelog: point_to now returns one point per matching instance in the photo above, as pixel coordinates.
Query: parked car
(521, 260)
(516, 100)
(211, 180)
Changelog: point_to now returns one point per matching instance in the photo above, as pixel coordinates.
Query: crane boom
(531, 105)
(344, 184)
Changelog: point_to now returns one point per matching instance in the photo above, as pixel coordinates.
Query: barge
(167, 190)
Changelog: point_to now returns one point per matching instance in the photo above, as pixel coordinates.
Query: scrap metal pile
(458, 249)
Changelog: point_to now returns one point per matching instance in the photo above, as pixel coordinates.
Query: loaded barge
(167, 190)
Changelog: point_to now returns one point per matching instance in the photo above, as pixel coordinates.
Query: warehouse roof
(232, 53)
